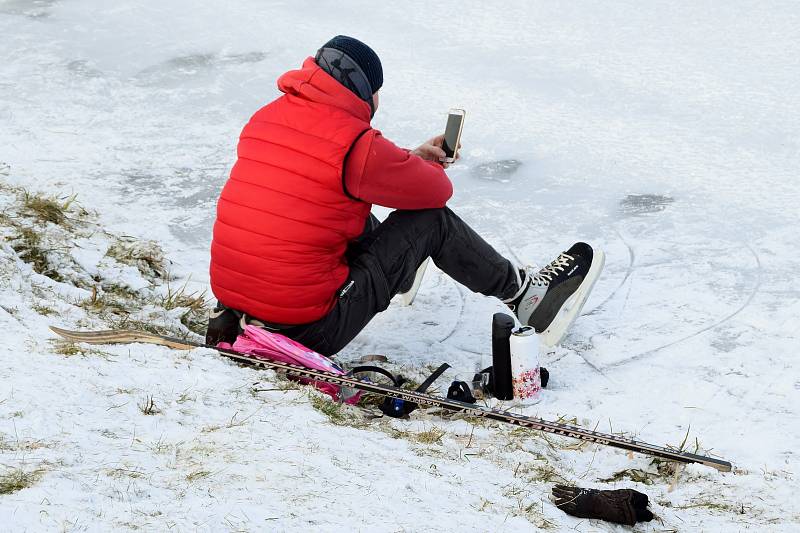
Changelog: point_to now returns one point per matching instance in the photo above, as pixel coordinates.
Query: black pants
(384, 261)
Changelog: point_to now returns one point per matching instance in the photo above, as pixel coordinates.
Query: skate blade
(569, 312)
(407, 298)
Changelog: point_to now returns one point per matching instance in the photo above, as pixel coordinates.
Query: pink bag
(264, 344)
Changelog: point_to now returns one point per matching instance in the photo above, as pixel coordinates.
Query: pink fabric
(270, 346)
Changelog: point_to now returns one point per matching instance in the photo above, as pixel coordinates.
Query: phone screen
(451, 134)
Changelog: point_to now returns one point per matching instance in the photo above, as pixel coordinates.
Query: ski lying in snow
(126, 336)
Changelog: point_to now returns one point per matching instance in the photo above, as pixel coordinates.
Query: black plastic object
(459, 390)
(502, 324)
(544, 375)
(399, 408)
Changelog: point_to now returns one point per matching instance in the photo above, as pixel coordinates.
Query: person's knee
(435, 216)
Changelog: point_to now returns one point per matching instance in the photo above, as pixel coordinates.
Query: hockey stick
(556, 428)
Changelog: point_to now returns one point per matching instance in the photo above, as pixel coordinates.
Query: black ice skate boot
(551, 299)
(223, 325)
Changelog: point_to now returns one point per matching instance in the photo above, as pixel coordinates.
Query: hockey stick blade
(556, 428)
(123, 336)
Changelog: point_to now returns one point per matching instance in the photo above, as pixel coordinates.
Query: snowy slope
(664, 132)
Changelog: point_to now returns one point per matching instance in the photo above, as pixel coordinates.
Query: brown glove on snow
(622, 506)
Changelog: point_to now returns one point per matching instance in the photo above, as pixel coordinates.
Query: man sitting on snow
(295, 249)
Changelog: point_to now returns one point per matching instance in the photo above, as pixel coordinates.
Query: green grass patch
(331, 409)
(43, 309)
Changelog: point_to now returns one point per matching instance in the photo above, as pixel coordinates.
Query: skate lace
(544, 276)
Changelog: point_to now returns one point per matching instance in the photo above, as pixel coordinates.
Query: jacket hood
(312, 83)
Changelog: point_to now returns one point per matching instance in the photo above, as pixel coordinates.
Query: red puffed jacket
(309, 169)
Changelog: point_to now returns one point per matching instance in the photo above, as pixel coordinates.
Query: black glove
(622, 506)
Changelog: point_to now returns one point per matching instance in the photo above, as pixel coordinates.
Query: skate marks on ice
(460, 315)
(641, 204)
(500, 171)
(628, 271)
(632, 205)
(756, 287)
(582, 347)
(84, 69)
(666, 301)
(177, 70)
(33, 9)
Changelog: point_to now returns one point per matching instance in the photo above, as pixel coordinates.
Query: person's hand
(431, 150)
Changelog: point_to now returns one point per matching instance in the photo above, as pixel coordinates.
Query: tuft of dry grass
(43, 309)
(160, 446)
(148, 406)
(146, 256)
(198, 475)
(195, 318)
(66, 348)
(539, 471)
(186, 396)
(232, 423)
(665, 470)
(178, 298)
(634, 474)
(128, 322)
(338, 413)
(713, 503)
(102, 305)
(44, 208)
(431, 436)
(27, 243)
(70, 349)
(22, 445)
(331, 409)
(17, 479)
(527, 507)
(120, 472)
(26, 220)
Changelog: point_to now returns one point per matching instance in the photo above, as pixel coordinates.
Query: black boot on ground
(223, 325)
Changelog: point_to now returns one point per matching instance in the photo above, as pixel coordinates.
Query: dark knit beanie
(363, 55)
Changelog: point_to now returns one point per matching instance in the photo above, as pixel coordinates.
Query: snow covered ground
(664, 132)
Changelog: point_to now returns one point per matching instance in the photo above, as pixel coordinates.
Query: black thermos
(502, 324)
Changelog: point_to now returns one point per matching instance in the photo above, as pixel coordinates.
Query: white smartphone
(452, 134)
